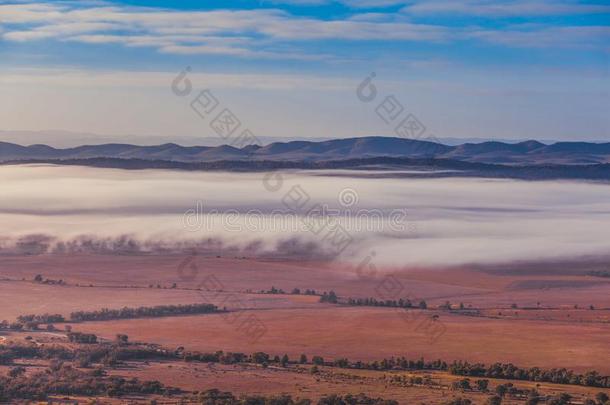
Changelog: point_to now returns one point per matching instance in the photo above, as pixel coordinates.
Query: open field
(299, 382)
(528, 318)
(296, 380)
(374, 333)
(476, 287)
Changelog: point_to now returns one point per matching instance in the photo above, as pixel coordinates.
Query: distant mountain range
(522, 153)
(70, 139)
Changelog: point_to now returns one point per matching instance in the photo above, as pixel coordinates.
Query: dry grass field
(299, 382)
(374, 333)
(528, 318)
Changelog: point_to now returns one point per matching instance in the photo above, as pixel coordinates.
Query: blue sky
(467, 68)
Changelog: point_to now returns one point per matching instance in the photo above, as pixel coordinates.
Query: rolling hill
(522, 153)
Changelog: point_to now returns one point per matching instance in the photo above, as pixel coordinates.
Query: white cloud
(264, 33)
(29, 13)
(372, 3)
(504, 8)
(183, 32)
(469, 7)
(22, 36)
(582, 37)
(58, 30)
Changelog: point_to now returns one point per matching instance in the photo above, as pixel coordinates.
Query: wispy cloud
(190, 31)
(274, 33)
(493, 8)
(511, 8)
(517, 36)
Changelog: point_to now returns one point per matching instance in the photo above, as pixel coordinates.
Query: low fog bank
(129, 245)
(394, 222)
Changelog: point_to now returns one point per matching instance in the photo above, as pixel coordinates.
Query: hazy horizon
(67, 139)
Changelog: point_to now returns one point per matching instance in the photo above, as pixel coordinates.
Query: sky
(502, 69)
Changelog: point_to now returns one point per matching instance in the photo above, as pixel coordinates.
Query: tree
(501, 390)
(260, 357)
(423, 305)
(303, 359)
(463, 384)
(83, 361)
(16, 326)
(284, 360)
(38, 278)
(330, 297)
(122, 339)
(317, 360)
(343, 363)
(16, 372)
(495, 400)
(533, 398)
(601, 397)
(482, 384)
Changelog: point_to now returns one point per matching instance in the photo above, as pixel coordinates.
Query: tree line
(217, 397)
(530, 396)
(331, 297)
(112, 354)
(279, 291)
(373, 302)
(134, 352)
(78, 337)
(142, 312)
(496, 370)
(265, 359)
(105, 314)
(511, 372)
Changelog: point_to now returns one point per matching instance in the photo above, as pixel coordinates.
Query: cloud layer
(275, 33)
(446, 222)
